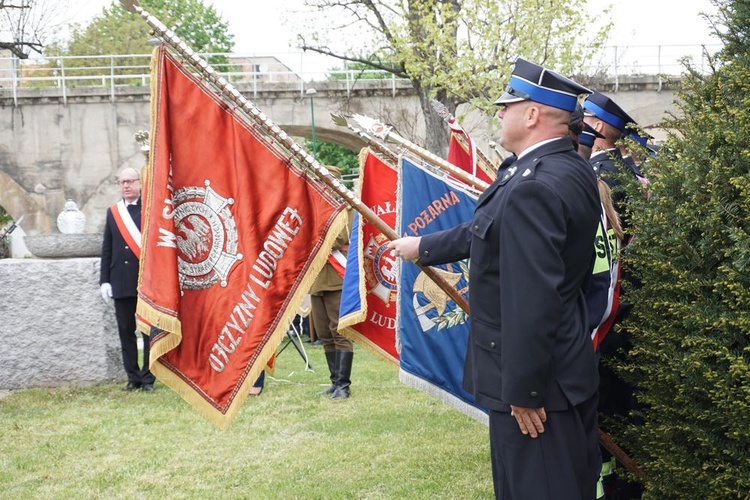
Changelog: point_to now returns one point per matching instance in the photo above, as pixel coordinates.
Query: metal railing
(660, 61)
(63, 73)
(300, 70)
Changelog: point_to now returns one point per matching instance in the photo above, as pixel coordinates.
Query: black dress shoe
(341, 393)
(148, 388)
(131, 386)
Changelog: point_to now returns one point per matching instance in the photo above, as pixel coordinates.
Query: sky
(267, 25)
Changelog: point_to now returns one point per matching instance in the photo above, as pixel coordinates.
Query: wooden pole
(483, 161)
(621, 456)
(386, 133)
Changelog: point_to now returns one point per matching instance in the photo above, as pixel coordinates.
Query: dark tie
(133, 211)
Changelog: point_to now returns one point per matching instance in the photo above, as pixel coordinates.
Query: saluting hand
(530, 420)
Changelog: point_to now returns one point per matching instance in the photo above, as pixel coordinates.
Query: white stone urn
(71, 220)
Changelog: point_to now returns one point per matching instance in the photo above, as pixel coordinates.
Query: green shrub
(690, 326)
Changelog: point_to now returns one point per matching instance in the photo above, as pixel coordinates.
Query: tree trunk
(436, 130)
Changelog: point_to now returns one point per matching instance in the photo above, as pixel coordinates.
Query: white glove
(106, 290)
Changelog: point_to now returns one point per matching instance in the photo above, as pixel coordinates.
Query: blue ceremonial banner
(432, 330)
(353, 298)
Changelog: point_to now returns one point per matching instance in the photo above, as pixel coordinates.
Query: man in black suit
(121, 249)
(530, 360)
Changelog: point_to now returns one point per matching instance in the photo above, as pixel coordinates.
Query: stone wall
(54, 148)
(55, 330)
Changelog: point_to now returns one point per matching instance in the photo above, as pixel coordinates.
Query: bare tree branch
(8, 5)
(370, 5)
(26, 24)
(399, 72)
(16, 48)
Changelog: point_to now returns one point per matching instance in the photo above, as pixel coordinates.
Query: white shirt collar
(601, 152)
(535, 146)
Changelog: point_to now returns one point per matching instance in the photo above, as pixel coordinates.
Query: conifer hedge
(690, 327)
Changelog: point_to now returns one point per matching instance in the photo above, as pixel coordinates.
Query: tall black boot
(344, 365)
(331, 359)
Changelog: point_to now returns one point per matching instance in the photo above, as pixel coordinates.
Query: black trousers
(561, 463)
(125, 314)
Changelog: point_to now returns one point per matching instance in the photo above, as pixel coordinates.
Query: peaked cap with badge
(531, 82)
(607, 110)
(585, 132)
(589, 135)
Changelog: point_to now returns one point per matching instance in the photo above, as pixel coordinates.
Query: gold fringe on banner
(361, 315)
(149, 316)
(223, 419)
(367, 345)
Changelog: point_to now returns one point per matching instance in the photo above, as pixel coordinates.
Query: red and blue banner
(433, 331)
(367, 313)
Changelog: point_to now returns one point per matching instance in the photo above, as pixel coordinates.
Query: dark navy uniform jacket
(608, 164)
(531, 246)
(119, 265)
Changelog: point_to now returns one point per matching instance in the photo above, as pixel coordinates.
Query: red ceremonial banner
(372, 322)
(234, 235)
(463, 154)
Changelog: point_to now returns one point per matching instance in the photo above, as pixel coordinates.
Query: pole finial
(130, 5)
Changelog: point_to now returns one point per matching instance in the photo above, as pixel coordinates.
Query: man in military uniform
(616, 396)
(325, 297)
(530, 360)
(610, 120)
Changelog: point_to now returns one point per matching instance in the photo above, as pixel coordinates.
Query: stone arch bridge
(56, 146)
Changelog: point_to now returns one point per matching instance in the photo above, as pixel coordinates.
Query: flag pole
(493, 147)
(484, 162)
(324, 175)
(382, 148)
(378, 147)
(386, 133)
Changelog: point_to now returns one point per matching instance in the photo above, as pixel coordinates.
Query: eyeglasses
(127, 182)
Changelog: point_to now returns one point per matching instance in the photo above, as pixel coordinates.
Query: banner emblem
(431, 303)
(380, 269)
(206, 237)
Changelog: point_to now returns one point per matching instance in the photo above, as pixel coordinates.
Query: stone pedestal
(55, 329)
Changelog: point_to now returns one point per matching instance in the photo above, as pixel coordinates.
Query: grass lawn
(386, 441)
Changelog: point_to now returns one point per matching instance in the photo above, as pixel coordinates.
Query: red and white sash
(129, 231)
(338, 261)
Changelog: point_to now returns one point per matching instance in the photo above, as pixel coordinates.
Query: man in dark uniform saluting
(118, 280)
(530, 243)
